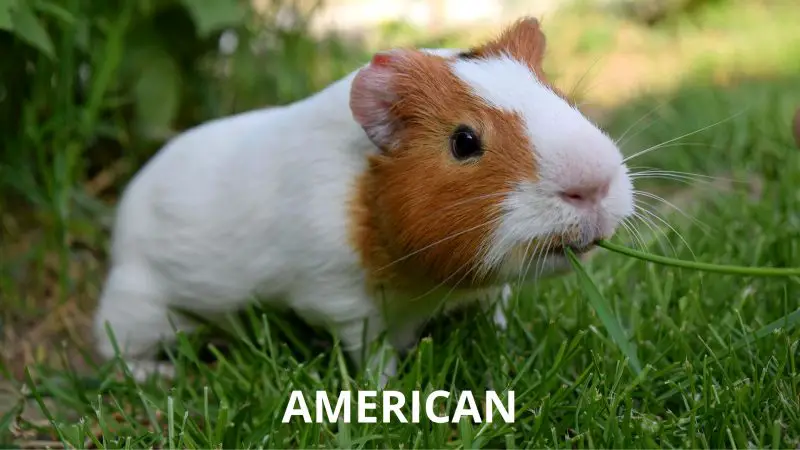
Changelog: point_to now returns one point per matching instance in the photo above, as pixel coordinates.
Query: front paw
(499, 312)
(142, 370)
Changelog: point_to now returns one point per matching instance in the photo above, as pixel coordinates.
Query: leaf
(786, 323)
(157, 94)
(603, 309)
(28, 28)
(6, 7)
(213, 15)
(81, 31)
(56, 11)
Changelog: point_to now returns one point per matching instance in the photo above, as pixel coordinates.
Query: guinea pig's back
(199, 210)
(237, 203)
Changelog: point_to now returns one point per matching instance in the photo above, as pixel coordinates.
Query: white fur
(254, 206)
(569, 152)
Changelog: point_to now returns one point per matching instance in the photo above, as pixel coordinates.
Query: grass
(701, 266)
(718, 352)
(572, 385)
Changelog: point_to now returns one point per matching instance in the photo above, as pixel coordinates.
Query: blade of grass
(603, 310)
(786, 323)
(706, 267)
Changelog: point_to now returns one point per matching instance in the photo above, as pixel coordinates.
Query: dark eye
(465, 143)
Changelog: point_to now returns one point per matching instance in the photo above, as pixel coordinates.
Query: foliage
(86, 83)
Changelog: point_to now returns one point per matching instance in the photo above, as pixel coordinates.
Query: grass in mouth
(604, 312)
(705, 267)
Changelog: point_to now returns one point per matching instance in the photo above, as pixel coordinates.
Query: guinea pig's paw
(500, 320)
(389, 367)
(142, 370)
(388, 373)
(498, 308)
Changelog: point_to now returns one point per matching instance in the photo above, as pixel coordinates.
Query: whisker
(619, 140)
(443, 301)
(585, 74)
(656, 231)
(637, 239)
(474, 199)
(696, 144)
(655, 147)
(705, 227)
(670, 144)
(452, 236)
(523, 273)
(680, 236)
(712, 183)
(657, 170)
(669, 176)
(624, 224)
(533, 262)
(536, 262)
(542, 258)
(482, 269)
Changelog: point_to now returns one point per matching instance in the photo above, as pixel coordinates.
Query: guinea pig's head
(485, 172)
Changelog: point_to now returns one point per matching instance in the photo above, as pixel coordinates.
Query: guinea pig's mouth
(556, 248)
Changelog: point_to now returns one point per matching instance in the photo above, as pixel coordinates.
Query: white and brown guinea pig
(426, 178)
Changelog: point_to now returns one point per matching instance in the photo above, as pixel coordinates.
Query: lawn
(720, 352)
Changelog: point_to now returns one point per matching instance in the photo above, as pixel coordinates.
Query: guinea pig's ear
(524, 41)
(372, 95)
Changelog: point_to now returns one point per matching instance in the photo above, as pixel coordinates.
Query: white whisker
(658, 233)
(473, 199)
(523, 273)
(705, 227)
(680, 236)
(655, 147)
(633, 233)
(620, 141)
(655, 170)
(541, 260)
(452, 236)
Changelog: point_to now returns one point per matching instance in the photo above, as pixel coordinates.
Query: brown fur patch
(420, 216)
(796, 127)
(523, 41)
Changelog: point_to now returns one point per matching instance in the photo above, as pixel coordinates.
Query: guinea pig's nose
(585, 195)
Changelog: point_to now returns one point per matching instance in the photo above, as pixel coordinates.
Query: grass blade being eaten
(705, 267)
(603, 310)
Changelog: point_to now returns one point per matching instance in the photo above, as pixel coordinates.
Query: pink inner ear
(381, 59)
(371, 99)
(371, 94)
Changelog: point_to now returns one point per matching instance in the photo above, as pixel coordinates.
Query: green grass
(707, 380)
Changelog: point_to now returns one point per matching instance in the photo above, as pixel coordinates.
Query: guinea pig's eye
(465, 143)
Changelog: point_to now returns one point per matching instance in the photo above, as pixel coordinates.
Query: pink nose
(585, 196)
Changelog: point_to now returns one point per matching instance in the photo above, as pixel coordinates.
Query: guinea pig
(422, 182)
(796, 127)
